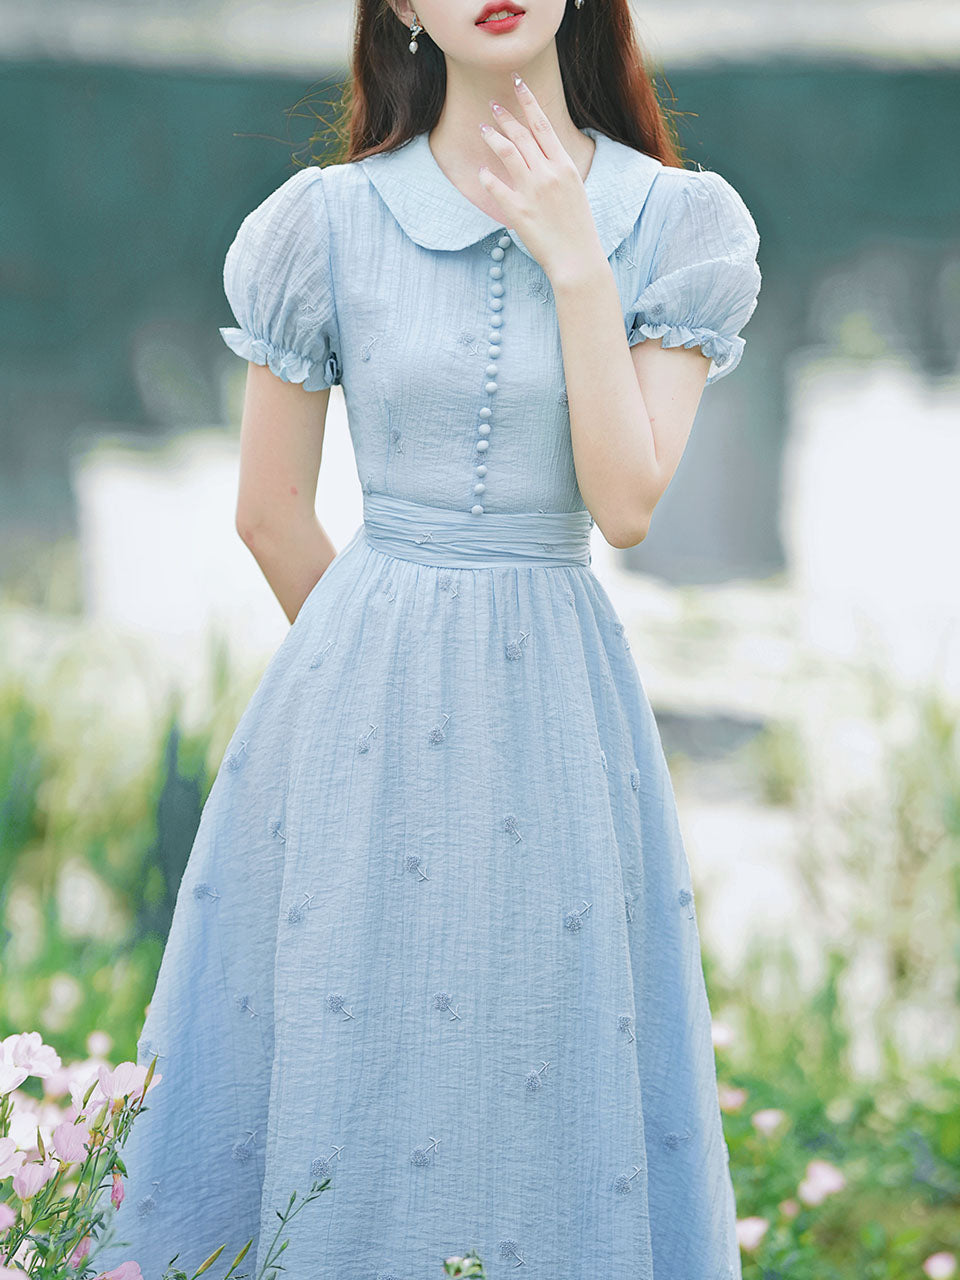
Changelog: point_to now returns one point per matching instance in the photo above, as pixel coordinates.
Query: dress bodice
(381, 276)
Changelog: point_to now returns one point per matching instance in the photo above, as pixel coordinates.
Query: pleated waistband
(447, 536)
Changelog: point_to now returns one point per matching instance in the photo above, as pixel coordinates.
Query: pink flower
(68, 1140)
(99, 1044)
(80, 1252)
(78, 1088)
(731, 1098)
(56, 1084)
(26, 1049)
(10, 1158)
(768, 1120)
(125, 1271)
(7, 1217)
(124, 1080)
(940, 1266)
(12, 1074)
(750, 1231)
(30, 1177)
(789, 1208)
(116, 1195)
(10, 1273)
(821, 1180)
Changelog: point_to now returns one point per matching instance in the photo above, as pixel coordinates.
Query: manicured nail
(496, 107)
(519, 84)
(485, 128)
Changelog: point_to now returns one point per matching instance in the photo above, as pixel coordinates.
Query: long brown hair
(391, 95)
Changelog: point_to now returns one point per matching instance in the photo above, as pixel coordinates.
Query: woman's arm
(631, 408)
(281, 443)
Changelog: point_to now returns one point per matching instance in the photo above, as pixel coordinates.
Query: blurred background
(793, 613)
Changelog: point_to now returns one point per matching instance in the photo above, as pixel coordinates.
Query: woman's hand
(547, 205)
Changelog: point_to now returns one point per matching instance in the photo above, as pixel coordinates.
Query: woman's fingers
(509, 153)
(518, 133)
(541, 129)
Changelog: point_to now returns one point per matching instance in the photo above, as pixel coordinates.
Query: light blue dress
(437, 937)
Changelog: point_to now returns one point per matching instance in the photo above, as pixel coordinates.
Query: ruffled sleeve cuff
(289, 366)
(723, 350)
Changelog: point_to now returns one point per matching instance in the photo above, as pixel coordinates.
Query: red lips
(495, 6)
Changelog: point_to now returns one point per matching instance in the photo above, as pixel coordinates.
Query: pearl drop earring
(415, 29)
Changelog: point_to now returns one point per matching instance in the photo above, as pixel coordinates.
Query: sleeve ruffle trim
(724, 351)
(289, 366)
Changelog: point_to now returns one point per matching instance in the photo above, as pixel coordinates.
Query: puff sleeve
(277, 277)
(704, 280)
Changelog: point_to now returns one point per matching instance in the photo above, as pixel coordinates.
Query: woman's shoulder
(697, 202)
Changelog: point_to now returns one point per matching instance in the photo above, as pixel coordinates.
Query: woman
(436, 939)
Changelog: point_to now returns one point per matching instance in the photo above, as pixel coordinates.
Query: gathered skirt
(436, 941)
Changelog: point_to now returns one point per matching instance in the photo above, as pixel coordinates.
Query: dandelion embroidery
(439, 732)
(510, 1249)
(276, 830)
(533, 1080)
(317, 659)
(233, 760)
(510, 826)
(413, 862)
(623, 1183)
(203, 890)
(146, 1047)
(442, 1001)
(148, 1203)
(295, 914)
(635, 779)
(628, 901)
(685, 897)
(625, 1023)
(242, 1151)
(320, 1167)
(363, 742)
(337, 1005)
(573, 920)
(421, 1155)
(424, 537)
(397, 438)
(672, 1140)
(367, 346)
(603, 758)
(513, 650)
(547, 546)
(244, 1005)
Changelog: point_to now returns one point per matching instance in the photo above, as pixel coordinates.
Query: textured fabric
(436, 939)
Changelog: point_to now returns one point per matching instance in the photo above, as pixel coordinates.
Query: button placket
(495, 305)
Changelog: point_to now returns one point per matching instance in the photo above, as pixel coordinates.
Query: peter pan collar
(436, 214)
